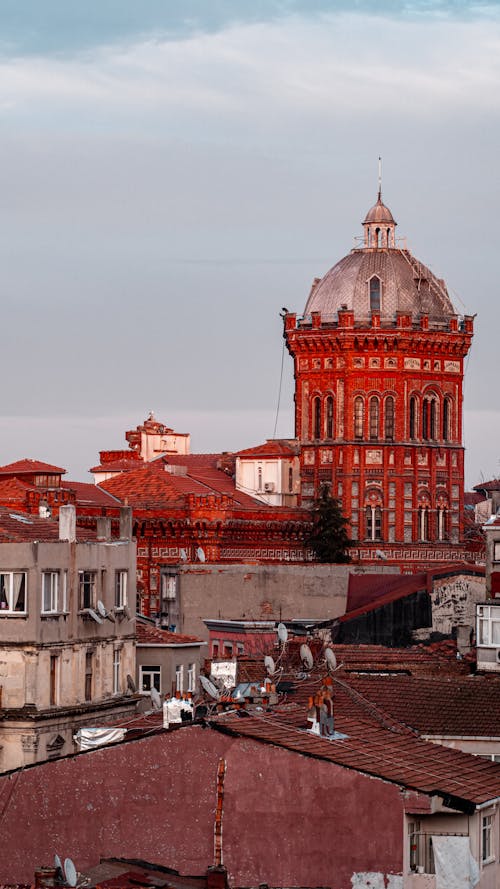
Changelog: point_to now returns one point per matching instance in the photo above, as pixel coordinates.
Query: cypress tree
(328, 537)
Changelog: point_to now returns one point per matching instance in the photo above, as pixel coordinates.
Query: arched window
(377, 237)
(359, 417)
(425, 420)
(374, 417)
(375, 294)
(389, 418)
(329, 417)
(423, 523)
(373, 516)
(388, 237)
(413, 418)
(442, 524)
(433, 420)
(317, 418)
(447, 419)
(290, 479)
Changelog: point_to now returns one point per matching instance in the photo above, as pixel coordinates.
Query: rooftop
(28, 466)
(150, 635)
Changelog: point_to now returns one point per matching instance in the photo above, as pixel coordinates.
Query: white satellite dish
(201, 554)
(58, 865)
(209, 687)
(282, 633)
(306, 657)
(331, 660)
(126, 611)
(70, 872)
(380, 554)
(269, 664)
(94, 615)
(102, 611)
(183, 555)
(155, 698)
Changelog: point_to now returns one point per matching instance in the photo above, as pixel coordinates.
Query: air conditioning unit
(269, 487)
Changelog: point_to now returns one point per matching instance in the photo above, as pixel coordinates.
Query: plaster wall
(262, 592)
(167, 658)
(288, 820)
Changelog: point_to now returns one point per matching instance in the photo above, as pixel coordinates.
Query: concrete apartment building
(63, 663)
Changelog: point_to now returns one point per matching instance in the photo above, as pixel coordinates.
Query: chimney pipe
(67, 523)
(125, 523)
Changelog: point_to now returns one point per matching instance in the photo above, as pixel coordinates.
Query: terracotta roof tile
(88, 494)
(271, 448)
(116, 466)
(28, 466)
(20, 527)
(149, 635)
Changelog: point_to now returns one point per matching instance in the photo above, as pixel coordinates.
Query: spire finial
(380, 178)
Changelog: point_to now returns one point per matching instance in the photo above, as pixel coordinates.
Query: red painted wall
(289, 820)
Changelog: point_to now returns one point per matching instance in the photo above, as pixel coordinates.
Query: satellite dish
(209, 687)
(330, 659)
(58, 865)
(201, 554)
(155, 698)
(183, 555)
(380, 554)
(126, 611)
(94, 616)
(102, 611)
(269, 664)
(70, 872)
(282, 633)
(131, 684)
(306, 656)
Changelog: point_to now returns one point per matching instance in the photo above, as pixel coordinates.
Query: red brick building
(378, 362)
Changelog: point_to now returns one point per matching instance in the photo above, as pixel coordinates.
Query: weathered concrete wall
(289, 820)
(263, 592)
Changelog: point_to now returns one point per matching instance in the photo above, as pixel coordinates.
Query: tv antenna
(306, 657)
(209, 687)
(269, 665)
(104, 612)
(201, 554)
(282, 633)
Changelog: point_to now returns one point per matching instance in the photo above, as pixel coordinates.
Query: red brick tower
(378, 361)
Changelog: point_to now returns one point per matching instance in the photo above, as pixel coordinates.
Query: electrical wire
(279, 390)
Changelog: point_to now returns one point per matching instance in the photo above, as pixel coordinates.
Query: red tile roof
(88, 494)
(149, 635)
(417, 661)
(461, 706)
(374, 748)
(20, 527)
(14, 489)
(116, 466)
(272, 448)
(471, 498)
(193, 460)
(29, 466)
(493, 485)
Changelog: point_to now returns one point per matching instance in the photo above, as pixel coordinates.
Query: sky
(173, 174)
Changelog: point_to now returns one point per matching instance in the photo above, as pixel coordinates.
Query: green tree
(328, 537)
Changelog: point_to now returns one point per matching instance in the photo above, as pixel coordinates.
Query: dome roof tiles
(379, 213)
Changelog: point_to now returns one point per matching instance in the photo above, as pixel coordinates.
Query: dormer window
(375, 287)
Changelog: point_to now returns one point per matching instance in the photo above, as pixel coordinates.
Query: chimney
(125, 523)
(103, 528)
(217, 877)
(67, 523)
(46, 877)
(464, 634)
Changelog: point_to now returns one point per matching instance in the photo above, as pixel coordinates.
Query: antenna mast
(221, 772)
(380, 178)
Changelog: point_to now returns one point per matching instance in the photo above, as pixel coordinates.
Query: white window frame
(179, 677)
(121, 588)
(9, 606)
(92, 580)
(116, 671)
(151, 671)
(488, 617)
(53, 577)
(487, 847)
(191, 677)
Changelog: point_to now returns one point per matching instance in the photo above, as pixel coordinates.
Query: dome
(404, 285)
(379, 213)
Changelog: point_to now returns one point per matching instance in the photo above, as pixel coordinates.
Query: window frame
(116, 671)
(375, 293)
(374, 418)
(359, 417)
(121, 588)
(487, 838)
(53, 593)
(91, 582)
(191, 677)
(179, 677)
(149, 670)
(8, 609)
(389, 417)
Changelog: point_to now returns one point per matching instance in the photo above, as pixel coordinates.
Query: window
(179, 677)
(389, 418)
(116, 671)
(54, 680)
(215, 648)
(433, 420)
(446, 419)
(50, 589)
(329, 417)
(149, 677)
(374, 417)
(425, 420)
(259, 478)
(442, 530)
(487, 852)
(228, 649)
(121, 578)
(375, 292)
(191, 677)
(89, 669)
(168, 586)
(290, 479)
(13, 592)
(359, 416)
(423, 523)
(413, 418)
(488, 629)
(373, 523)
(317, 418)
(87, 591)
